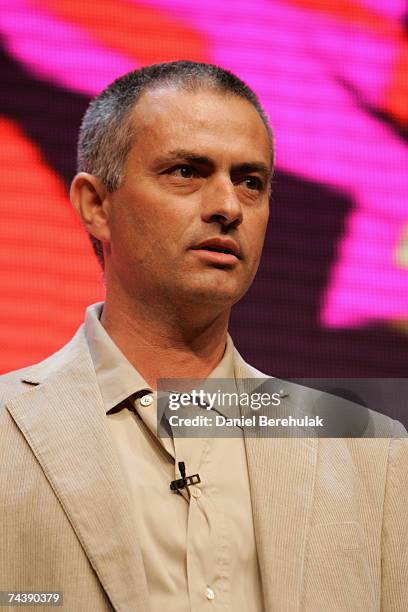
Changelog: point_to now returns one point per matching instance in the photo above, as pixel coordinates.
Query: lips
(219, 245)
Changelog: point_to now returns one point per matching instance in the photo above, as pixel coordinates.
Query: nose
(220, 203)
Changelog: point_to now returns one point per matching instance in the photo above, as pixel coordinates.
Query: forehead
(214, 123)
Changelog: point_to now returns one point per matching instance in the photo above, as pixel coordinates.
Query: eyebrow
(203, 160)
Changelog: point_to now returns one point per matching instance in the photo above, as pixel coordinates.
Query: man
(175, 165)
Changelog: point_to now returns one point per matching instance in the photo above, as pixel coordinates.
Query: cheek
(128, 233)
(150, 224)
(257, 234)
(151, 239)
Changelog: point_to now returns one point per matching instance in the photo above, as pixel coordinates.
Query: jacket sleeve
(394, 549)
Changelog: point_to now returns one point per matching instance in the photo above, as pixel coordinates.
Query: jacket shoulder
(18, 381)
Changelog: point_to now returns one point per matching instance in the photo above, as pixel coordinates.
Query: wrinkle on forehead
(171, 112)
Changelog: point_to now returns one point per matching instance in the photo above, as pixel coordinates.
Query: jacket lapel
(281, 474)
(64, 422)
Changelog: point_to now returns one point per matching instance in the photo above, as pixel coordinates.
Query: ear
(89, 198)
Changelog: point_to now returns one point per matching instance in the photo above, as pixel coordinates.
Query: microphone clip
(184, 481)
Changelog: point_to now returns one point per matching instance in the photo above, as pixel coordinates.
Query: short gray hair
(106, 137)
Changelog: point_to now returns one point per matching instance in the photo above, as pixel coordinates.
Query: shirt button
(146, 400)
(195, 492)
(209, 593)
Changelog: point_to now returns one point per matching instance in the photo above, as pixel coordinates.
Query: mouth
(220, 256)
(219, 250)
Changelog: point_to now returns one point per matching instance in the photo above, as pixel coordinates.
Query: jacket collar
(282, 480)
(63, 420)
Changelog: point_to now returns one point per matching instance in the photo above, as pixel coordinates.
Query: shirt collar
(117, 377)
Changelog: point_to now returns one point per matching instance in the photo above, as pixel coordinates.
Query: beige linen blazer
(330, 515)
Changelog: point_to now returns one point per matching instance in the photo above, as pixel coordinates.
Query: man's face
(195, 183)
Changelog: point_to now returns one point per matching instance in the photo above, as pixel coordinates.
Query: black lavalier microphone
(184, 481)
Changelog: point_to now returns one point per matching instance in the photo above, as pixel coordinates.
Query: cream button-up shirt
(198, 545)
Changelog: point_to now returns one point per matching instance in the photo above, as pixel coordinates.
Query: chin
(212, 296)
(210, 289)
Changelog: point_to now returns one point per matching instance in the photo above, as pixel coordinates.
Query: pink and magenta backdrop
(331, 297)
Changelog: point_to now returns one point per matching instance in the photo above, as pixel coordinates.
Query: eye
(253, 183)
(183, 171)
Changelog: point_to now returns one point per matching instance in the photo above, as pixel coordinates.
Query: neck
(163, 343)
